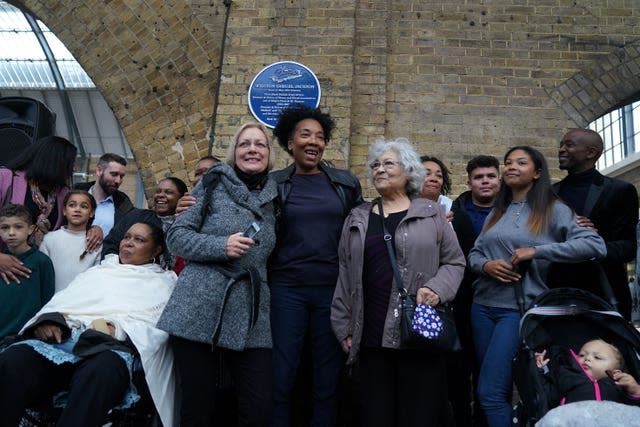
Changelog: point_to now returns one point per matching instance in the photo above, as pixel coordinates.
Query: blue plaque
(279, 85)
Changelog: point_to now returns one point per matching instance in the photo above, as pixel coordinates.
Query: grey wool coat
(196, 308)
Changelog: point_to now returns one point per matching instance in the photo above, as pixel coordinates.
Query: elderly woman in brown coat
(401, 387)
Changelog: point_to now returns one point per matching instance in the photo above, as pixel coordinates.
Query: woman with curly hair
(437, 182)
(313, 201)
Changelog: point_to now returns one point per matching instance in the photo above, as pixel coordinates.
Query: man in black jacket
(470, 210)
(608, 205)
(112, 203)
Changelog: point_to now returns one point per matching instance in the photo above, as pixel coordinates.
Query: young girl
(66, 246)
(595, 373)
(527, 224)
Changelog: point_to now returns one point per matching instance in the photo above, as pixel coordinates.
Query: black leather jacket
(344, 182)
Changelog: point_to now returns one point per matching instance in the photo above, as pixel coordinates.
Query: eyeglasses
(258, 144)
(386, 164)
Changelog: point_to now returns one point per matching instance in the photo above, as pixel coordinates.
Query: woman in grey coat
(220, 305)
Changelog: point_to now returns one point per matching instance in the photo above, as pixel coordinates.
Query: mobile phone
(252, 230)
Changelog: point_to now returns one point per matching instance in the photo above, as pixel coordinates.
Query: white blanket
(592, 413)
(132, 297)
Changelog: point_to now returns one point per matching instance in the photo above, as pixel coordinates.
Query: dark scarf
(253, 181)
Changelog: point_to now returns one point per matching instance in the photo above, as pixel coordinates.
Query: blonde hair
(231, 151)
(616, 352)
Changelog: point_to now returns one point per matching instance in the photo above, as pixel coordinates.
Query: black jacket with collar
(344, 182)
(121, 201)
(462, 223)
(612, 206)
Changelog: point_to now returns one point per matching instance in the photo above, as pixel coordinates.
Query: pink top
(19, 192)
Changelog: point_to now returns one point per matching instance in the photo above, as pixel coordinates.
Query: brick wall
(457, 78)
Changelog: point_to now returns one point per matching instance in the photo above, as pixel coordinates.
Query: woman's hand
(238, 245)
(94, 238)
(184, 203)
(626, 381)
(48, 333)
(346, 344)
(427, 296)
(500, 270)
(521, 255)
(11, 268)
(449, 216)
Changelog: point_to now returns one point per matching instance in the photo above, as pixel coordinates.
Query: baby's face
(596, 357)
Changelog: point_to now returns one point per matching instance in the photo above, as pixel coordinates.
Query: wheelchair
(142, 414)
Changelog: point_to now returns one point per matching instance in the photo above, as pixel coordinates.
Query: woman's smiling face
(252, 151)
(307, 145)
(166, 198)
(433, 180)
(519, 171)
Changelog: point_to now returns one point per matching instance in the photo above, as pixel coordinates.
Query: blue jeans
(496, 336)
(294, 310)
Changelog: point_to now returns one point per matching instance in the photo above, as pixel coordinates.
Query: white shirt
(105, 213)
(64, 247)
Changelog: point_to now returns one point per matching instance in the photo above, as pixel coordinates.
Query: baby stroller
(568, 317)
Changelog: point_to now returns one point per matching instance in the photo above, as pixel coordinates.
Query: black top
(377, 277)
(347, 189)
(309, 232)
(576, 188)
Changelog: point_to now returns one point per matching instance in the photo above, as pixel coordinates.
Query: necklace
(517, 213)
(399, 206)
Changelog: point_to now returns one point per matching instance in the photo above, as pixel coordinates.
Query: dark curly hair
(180, 185)
(446, 179)
(292, 115)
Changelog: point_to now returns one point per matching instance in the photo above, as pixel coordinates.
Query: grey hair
(407, 157)
(231, 151)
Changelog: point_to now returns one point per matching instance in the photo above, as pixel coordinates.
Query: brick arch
(156, 64)
(592, 92)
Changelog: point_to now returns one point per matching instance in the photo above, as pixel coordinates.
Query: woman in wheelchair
(78, 351)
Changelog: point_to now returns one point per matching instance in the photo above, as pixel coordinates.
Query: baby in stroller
(568, 318)
(595, 373)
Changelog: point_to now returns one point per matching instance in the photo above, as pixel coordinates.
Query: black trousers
(95, 385)
(462, 367)
(403, 388)
(197, 368)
